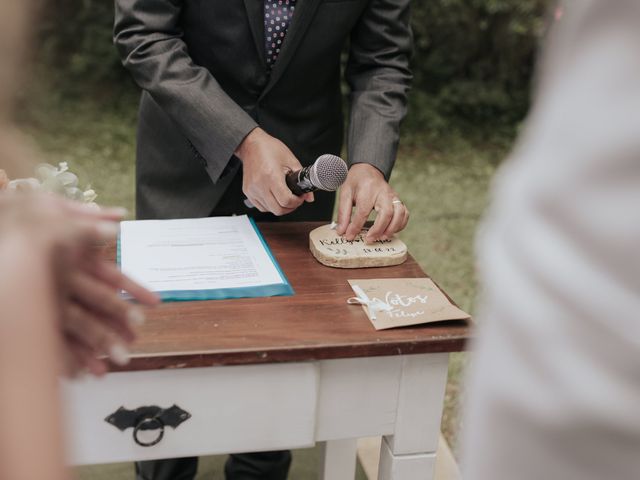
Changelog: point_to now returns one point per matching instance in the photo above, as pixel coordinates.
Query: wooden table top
(316, 323)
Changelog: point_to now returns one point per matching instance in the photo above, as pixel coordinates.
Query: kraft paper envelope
(400, 302)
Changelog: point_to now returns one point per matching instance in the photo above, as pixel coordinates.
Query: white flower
(44, 171)
(23, 185)
(89, 195)
(56, 180)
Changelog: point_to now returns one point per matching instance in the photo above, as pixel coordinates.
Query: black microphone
(327, 173)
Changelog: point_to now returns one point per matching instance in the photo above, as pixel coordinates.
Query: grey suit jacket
(205, 82)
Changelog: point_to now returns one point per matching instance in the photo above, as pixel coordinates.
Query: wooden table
(277, 373)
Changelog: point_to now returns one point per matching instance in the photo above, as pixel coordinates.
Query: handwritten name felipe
(400, 302)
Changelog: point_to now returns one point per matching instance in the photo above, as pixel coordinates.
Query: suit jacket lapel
(255, 14)
(305, 9)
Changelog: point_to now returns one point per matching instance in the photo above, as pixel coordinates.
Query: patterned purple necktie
(277, 18)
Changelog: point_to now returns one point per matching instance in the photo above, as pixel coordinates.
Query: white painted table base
(275, 406)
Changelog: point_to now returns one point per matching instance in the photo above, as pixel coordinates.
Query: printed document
(200, 255)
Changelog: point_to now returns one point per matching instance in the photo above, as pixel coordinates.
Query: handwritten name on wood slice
(335, 251)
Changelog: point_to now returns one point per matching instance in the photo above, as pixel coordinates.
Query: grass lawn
(444, 183)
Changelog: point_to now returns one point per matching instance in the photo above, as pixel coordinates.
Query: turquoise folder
(274, 290)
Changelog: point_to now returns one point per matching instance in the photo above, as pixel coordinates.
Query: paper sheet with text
(205, 258)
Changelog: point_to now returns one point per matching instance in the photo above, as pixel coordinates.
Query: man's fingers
(254, 196)
(405, 221)
(265, 201)
(309, 197)
(345, 206)
(280, 203)
(259, 205)
(270, 202)
(364, 206)
(274, 206)
(385, 211)
(287, 200)
(398, 221)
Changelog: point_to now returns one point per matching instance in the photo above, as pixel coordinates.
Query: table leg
(338, 461)
(410, 453)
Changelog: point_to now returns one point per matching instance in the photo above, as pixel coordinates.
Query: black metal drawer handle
(148, 418)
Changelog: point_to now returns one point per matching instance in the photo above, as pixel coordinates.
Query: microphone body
(327, 173)
(299, 182)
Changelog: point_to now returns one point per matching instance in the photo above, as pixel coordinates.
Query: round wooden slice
(335, 251)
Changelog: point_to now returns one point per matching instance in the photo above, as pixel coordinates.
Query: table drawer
(232, 409)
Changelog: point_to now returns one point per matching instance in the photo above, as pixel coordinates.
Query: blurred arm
(30, 429)
(149, 38)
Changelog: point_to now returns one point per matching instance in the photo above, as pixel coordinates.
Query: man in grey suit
(235, 93)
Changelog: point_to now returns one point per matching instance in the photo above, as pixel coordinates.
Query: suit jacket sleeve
(379, 77)
(148, 37)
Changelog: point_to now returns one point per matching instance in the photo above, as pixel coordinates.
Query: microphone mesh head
(328, 172)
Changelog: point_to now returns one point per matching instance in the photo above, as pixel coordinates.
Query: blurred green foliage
(473, 61)
(473, 58)
(75, 45)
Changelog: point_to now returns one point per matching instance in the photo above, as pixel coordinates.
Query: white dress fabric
(554, 391)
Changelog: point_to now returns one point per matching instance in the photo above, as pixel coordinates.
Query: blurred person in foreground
(60, 313)
(555, 383)
(60, 309)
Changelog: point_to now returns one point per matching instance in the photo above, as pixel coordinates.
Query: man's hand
(367, 190)
(265, 163)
